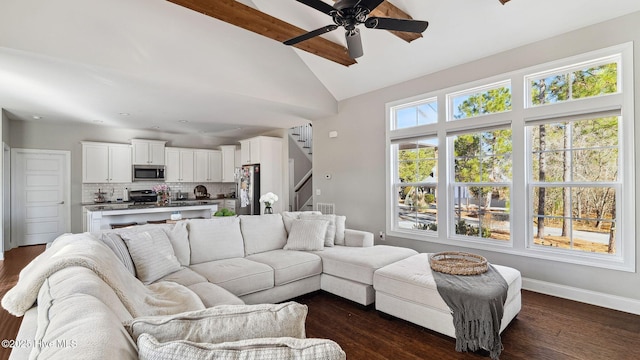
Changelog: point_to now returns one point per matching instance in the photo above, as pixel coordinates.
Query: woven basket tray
(458, 263)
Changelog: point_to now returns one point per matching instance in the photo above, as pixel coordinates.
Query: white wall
(356, 159)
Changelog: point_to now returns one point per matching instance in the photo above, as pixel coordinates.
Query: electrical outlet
(382, 235)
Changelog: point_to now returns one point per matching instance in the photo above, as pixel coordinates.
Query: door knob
(61, 202)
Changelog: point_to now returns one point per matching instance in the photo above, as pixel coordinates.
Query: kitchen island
(101, 217)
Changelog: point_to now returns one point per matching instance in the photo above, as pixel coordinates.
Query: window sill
(557, 255)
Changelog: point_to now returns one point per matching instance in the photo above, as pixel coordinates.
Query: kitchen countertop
(175, 204)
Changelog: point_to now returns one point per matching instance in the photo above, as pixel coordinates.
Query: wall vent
(326, 208)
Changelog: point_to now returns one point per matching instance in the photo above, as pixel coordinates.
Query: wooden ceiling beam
(248, 18)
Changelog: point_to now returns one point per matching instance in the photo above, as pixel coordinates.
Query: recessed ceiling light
(155, 127)
(183, 121)
(98, 121)
(37, 117)
(124, 114)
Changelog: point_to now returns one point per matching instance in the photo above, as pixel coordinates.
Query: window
(415, 184)
(490, 99)
(574, 184)
(415, 114)
(554, 168)
(596, 78)
(482, 184)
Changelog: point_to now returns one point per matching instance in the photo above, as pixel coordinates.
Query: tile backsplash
(116, 191)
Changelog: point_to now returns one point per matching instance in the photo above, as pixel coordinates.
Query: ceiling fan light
(354, 43)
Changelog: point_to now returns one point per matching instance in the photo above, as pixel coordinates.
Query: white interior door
(40, 187)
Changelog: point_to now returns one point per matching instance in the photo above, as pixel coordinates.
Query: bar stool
(123, 225)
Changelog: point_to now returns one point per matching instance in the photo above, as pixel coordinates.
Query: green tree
(483, 156)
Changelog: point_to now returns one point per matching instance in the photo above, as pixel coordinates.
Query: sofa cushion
(289, 265)
(215, 239)
(238, 275)
(307, 235)
(330, 235)
(225, 323)
(117, 245)
(289, 216)
(152, 254)
(262, 348)
(359, 263)
(262, 233)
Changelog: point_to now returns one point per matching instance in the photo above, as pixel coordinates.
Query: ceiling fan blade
(414, 26)
(370, 4)
(503, 1)
(311, 34)
(319, 5)
(354, 43)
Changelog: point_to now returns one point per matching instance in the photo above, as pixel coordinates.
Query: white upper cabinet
(148, 152)
(228, 163)
(266, 151)
(106, 163)
(252, 150)
(180, 165)
(208, 166)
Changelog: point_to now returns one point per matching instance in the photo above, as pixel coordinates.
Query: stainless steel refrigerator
(249, 190)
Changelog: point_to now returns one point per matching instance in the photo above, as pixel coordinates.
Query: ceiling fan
(351, 13)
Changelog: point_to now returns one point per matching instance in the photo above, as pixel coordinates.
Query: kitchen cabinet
(106, 163)
(259, 148)
(207, 165)
(180, 165)
(148, 152)
(228, 163)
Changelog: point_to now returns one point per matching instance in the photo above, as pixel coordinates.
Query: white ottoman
(406, 289)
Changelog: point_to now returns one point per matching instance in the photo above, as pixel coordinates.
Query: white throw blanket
(85, 250)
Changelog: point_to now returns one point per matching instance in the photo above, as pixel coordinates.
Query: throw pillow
(289, 216)
(179, 237)
(341, 222)
(225, 323)
(152, 254)
(330, 235)
(117, 245)
(307, 235)
(251, 349)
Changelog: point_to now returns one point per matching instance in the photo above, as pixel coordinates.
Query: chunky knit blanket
(86, 251)
(477, 306)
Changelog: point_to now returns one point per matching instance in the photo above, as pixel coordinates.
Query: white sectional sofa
(83, 302)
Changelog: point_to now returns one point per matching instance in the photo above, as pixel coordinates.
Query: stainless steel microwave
(148, 172)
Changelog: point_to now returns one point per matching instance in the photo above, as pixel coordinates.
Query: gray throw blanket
(477, 306)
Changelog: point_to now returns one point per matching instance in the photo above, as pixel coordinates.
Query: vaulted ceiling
(154, 64)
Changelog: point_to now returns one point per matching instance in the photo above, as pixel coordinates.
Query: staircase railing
(304, 192)
(304, 136)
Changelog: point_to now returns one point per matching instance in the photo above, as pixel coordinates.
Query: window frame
(520, 117)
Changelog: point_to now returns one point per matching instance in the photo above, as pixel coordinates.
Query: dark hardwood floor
(14, 261)
(546, 328)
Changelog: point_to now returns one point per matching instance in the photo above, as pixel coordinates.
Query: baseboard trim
(585, 296)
